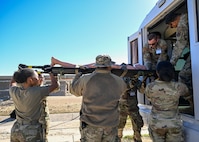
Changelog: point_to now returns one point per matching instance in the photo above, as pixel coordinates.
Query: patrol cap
(103, 61)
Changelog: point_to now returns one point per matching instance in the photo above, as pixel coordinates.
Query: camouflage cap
(103, 61)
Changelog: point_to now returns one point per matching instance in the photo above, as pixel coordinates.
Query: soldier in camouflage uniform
(27, 100)
(44, 118)
(180, 22)
(165, 124)
(101, 91)
(154, 51)
(128, 106)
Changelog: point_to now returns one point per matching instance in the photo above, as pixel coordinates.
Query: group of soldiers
(154, 52)
(157, 49)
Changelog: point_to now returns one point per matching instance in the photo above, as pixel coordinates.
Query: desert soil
(64, 124)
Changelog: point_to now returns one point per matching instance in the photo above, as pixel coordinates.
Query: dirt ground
(64, 124)
(57, 104)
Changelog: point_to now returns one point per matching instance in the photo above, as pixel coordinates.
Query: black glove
(138, 84)
(83, 69)
(46, 67)
(22, 66)
(123, 66)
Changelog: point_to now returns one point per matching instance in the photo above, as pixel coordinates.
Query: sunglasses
(152, 44)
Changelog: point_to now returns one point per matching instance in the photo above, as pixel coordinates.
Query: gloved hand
(46, 67)
(82, 69)
(123, 67)
(22, 66)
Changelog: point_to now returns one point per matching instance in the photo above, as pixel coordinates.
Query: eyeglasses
(152, 44)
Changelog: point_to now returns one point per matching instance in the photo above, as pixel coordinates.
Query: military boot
(120, 134)
(137, 137)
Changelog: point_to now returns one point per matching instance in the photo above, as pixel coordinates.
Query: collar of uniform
(98, 70)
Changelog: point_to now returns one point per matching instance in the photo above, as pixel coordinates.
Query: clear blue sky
(75, 31)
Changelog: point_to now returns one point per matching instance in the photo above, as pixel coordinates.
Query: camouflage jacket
(164, 97)
(154, 55)
(182, 38)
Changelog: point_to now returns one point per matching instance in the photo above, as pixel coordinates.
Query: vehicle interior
(169, 35)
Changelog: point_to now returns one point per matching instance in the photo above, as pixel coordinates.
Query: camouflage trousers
(45, 129)
(26, 132)
(135, 117)
(166, 134)
(98, 134)
(45, 119)
(185, 76)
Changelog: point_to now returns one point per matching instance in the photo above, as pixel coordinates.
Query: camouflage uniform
(101, 91)
(182, 36)
(26, 132)
(45, 119)
(128, 107)
(27, 126)
(164, 122)
(182, 39)
(182, 42)
(152, 56)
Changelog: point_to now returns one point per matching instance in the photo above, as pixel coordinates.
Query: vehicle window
(134, 52)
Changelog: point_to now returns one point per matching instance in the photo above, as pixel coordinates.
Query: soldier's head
(158, 34)
(28, 76)
(152, 40)
(172, 19)
(165, 71)
(103, 61)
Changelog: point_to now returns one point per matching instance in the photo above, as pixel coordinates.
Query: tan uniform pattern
(45, 119)
(152, 56)
(129, 107)
(164, 122)
(97, 134)
(182, 36)
(182, 39)
(27, 127)
(26, 132)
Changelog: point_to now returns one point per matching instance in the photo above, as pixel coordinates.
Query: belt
(25, 122)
